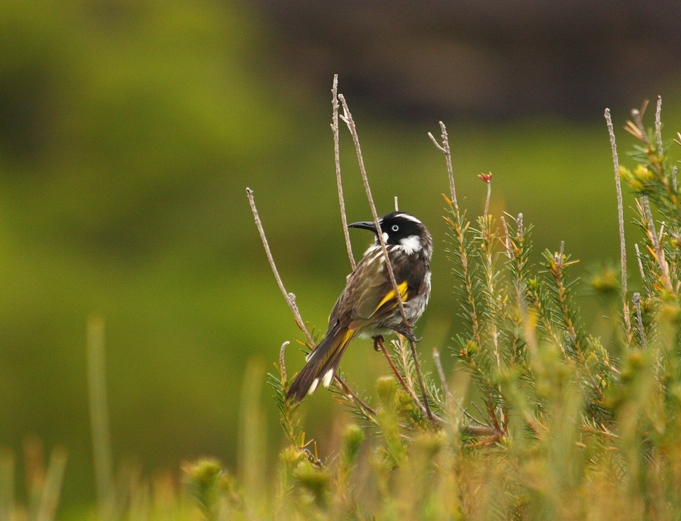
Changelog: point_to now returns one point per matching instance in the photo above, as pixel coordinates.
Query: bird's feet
(378, 343)
(407, 334)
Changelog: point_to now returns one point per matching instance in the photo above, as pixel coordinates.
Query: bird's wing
(373, 293)
(369, 294)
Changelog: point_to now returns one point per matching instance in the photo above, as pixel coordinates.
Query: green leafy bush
(540, 420)
(556, 426)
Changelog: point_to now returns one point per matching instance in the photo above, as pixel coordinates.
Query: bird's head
(403, 230)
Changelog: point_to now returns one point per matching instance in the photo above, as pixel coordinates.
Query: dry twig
(659, 252)
(640, 267)
(441, 374)
(289, 297)
(290, 300)
(620, 219)
(339, 182)
(350, 122)
(658, 125)
(445, 149)
(354, 396)
(378, 342)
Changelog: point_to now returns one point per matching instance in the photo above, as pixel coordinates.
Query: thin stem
(51, 492)
(640, 268)
(480, 430)
(638, 122)
(347, 118)
(571, 330)
(529, 326)
(378, 342)
(448, 393)
(487, 248)
(339, 182)
(562, 298)
(639, 319)
(444, 148)
(620, 219)
(507, 239)
(350, 122)
(420, 378)
(289, 297)
(99, 417)
(658, 125)
(460, 228)
(548, 325)
(659, 252)
(489, 196)
(482, 414)
(349, 392)
(7, 464)
(675, 186)
(282, 361)
(441, 374)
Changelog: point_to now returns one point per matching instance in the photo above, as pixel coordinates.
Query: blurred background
(129, 131)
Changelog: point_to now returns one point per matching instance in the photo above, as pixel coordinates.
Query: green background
(128, 138)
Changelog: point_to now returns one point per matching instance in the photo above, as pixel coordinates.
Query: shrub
(558, 425)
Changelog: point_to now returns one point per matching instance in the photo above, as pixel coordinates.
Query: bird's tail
(321, 364)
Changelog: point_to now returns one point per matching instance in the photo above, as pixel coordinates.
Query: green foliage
(558, 426)
(130, 128)
(211, 487)
(150, 122)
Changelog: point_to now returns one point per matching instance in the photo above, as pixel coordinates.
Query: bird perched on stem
(368, 305)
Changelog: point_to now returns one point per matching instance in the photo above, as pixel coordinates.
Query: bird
(368, 306)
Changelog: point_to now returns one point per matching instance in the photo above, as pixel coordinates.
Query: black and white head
(401, 230)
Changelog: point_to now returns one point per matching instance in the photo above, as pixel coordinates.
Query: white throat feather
(411, 244)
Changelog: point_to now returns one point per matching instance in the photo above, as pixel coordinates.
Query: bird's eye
(395, 228)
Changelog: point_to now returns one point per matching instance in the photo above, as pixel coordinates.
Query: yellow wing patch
(348, 336)
(391, 295)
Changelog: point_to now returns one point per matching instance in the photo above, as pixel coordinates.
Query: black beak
(364, 225)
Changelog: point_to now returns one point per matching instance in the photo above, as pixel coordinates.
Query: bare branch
(487, 179)
(479, 430)
(448, 393)
(347, 118)
(620, 218)
(658, 125)
(638, 123)
(437, 145)
(444, 148)
(482, 414)
(441, 374)
(659, 252)
(419, 375)
(289, 297)
(282, 361)
(353, 396)
(339, 182)
(350, 122)
(640, 267)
